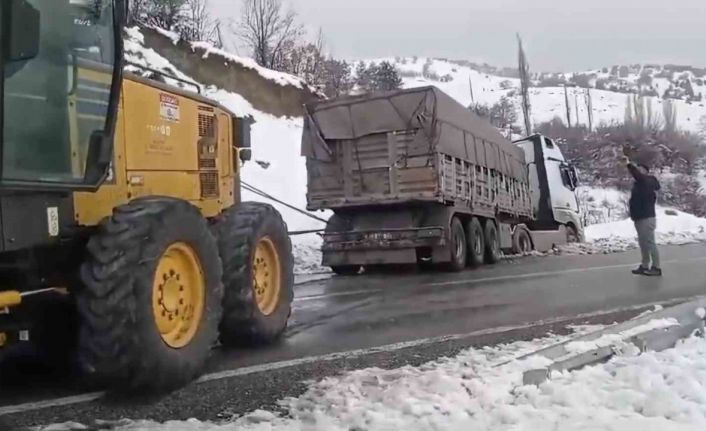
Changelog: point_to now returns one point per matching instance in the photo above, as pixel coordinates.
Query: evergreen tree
(386, 77)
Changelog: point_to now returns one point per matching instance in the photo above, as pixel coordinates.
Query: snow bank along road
(415, 317)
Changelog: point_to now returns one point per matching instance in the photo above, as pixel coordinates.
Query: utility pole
(568, 106)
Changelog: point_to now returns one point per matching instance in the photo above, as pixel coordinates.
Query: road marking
(545, 273)
(333, 295)
(93, 396)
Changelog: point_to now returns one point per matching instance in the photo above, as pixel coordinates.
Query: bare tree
(197, 24)
(669, 112)
(628, 110)
(166, 14)
(136, 11)
(568, 107)
(589, 108)
(524, 85)
(337, 78)
(268, 29)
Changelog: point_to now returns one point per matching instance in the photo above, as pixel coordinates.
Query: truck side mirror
(22, 31)
(241, 138)
(244, 154)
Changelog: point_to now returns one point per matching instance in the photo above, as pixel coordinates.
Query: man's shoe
(641, 270)
(654, 272)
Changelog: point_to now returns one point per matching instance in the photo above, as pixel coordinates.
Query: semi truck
(412, 176)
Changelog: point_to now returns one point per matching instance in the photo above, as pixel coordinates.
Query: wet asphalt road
(350, 313)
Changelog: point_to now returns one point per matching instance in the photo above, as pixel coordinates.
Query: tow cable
(255, 190)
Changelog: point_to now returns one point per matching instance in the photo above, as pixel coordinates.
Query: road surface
(415, 317)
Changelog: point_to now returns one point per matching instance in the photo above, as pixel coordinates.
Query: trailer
(412, 176)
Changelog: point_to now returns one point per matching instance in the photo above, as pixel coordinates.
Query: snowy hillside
(547, 102)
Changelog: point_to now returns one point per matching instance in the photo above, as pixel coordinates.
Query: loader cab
(553, 182)
(61, 69)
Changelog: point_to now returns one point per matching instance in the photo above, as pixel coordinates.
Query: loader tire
(151, 298)
(476, 242)
(258, 274)
(492, 242)
(458, 247)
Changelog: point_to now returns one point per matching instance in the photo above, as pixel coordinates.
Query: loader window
(53, 102)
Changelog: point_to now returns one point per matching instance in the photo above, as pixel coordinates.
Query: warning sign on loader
(169, 107)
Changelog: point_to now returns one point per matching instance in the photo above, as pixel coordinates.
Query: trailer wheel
(475, 241)
(338, 223)
(571, 235)
(492, 242)
(258, 274)
(521, 241)
(457, 247)
(151, 297)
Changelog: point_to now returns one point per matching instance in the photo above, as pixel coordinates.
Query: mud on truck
(412, 176)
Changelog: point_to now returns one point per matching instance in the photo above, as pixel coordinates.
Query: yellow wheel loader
(123, 241)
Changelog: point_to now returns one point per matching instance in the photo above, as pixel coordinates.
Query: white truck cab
(553, 183)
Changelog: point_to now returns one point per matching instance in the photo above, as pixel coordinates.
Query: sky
(559, 35)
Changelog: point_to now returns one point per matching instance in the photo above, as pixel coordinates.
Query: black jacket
(644, 194)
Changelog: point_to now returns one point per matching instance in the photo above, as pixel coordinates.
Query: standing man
(642, 212)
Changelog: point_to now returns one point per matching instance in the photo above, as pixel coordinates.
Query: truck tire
(258, 274)
(492, 242)
(337, 223)
(457, 247)
(521, 241)
(571, 235)
(151, 298)
(476, 242)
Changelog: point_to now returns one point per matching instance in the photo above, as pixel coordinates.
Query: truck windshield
(56, 100)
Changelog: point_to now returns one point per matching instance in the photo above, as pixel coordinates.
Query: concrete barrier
(656, 331)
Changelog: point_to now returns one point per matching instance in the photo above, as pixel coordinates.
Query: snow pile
(280, 78)
(276, 145)
(575, 347)
(673, 227)
(481, 389)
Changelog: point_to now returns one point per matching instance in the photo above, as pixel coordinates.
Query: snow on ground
(481, 389)
(575, 347)
(673, 227)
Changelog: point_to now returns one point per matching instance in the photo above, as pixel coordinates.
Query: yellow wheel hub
(178, 295)
(266, 276)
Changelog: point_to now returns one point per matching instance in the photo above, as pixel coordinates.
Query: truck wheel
(337, 223)
(571, 235)
(457, 247)
(475, 241)
(258, 274)
(346, 269)
(492, 242)
(521, 241)
(151, 301)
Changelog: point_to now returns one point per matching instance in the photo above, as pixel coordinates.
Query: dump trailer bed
(411, 147)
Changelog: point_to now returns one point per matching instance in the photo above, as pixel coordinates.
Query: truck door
(561, 180)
